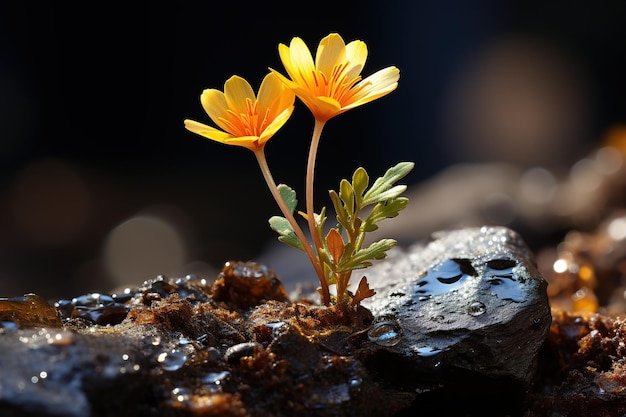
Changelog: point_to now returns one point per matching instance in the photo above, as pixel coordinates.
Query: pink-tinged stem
(310, 209)
(267, 175)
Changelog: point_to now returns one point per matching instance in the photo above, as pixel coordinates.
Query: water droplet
(8, 326)
(476, 309)
(181, 394)
(278, 328)
(61, 338)
(504, 282)
(385, 333)
(335, 394)
(153, 340)
(355, 382)
(214, 381)
(184, 341)
(212, 355)
(444, 277)
(426, 351)
(172, 360)
(238, 351)
(93, 300)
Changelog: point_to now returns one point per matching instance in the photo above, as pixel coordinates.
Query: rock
(58, 372)
(247, 284)
(470, 302)
(184, 347)
(28, 311)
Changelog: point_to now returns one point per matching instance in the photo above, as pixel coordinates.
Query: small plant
(328, 86)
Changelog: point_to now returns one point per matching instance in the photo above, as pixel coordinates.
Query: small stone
(473, 298)
(247, 284)
(29, 311)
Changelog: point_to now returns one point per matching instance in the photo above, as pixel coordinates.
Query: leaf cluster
(358, 210)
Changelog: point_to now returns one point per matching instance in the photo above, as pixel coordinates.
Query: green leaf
(362, 258)
(325, 257)
(383, 210)
(384, 183)
(389, 194)
(360, 181)
(289, 196)
(340, 211)
(347, 196)
(320, 220)
(286, 234)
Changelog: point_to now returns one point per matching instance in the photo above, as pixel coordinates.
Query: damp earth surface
(463, 316)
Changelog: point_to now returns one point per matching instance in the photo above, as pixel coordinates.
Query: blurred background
(102, 187)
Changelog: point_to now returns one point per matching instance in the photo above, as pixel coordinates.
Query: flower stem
(310, 209)
(267, 175)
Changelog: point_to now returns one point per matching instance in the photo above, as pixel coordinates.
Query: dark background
(93, 98)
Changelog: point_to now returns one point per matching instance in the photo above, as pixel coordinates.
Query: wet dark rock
(471, 303)
(58, 372)
(182, 347)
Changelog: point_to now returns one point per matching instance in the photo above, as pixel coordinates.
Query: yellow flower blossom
(245, 119)
(332, 84)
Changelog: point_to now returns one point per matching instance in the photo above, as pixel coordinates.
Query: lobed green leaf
(362, 258)
(289, 196)
(286, 234)
(383, 210)
(384, 183)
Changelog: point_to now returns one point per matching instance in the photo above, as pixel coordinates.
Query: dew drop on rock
(505, 284)
(278, 328)
(385, 333)
(8, 326)
(238, 351)
(214, 381)
(172, 360)
(355, 384)
(447, 276)
(153, 340)
(213, 355)
(476, 309)
(181, 394)
(335, 394)
(426, 351)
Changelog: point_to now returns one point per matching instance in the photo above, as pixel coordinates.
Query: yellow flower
(332, 84)
(245, 119)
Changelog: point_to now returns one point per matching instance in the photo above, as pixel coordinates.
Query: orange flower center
(337, 86)
(249, 123)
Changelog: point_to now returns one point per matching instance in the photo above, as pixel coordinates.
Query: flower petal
(250, 142)
(299, 64)
(271, 92)
(214, 103)
(356, 55)
(330, 52)
(237, 92)
(206, 131)
(276, 124)
(375, 86)
(333, 85)
(324, 108)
